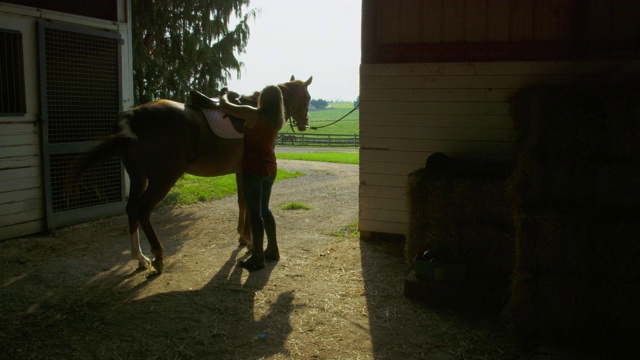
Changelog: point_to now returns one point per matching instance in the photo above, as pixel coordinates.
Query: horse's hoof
(245, 242)
(271, 255)
(250, 265)
(158, 265)
(144, 263)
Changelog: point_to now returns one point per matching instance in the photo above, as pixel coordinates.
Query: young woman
(259, 168)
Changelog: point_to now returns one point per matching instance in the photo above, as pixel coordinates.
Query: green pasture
(337, 157)
(191, 189)
(349, 125)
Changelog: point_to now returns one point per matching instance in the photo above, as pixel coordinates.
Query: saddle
(203, 101)
(210, 107)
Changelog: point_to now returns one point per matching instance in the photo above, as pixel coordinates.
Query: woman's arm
(249, 113)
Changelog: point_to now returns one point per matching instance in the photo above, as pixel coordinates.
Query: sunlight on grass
(295, 206)
(347, 126)
(191, 189)
(350, 231)
(333, 157)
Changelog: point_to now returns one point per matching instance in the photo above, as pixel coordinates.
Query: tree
(319, 103)
(180, 45)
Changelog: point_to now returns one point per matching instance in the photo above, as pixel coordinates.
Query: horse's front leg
(244, 226)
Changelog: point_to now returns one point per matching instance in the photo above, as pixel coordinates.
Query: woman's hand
(246, 112)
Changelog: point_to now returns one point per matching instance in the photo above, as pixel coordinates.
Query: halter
(286, 96)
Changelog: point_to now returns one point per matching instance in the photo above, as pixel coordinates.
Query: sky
(303, 38)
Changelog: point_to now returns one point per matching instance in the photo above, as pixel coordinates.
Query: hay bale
(463, 203)
(575, 192)
(573, 276)
(570, 182)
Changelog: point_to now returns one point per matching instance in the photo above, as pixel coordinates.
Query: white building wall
(409, 111)
(21, 175)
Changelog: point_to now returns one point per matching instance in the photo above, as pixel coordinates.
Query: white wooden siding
(409, 111)
(21, 191)
(21, 184)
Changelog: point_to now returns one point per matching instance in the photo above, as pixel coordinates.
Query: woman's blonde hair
(271, 106)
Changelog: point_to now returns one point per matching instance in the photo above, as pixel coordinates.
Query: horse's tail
(112, 145)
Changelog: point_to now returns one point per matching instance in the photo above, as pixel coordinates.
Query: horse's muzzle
(301, 125)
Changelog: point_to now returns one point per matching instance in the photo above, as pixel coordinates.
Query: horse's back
(165, 117)
(167, 136)
(180, 132)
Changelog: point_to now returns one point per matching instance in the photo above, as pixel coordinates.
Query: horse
(160, 141)
(289, 138)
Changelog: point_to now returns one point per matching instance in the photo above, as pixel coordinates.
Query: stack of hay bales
(576, 200)
(463, 203)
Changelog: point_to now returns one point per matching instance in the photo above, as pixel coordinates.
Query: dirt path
(76, 293)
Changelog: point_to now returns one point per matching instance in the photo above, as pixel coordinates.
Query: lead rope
(320, 127)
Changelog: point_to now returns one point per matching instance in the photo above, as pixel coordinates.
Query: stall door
(80, 76)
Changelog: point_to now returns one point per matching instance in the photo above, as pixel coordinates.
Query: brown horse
(160, 141)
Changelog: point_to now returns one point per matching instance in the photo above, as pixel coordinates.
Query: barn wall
(22, 204)
(399, 31)
(106, 10)
(435, 75)
(409, 111)
(21, 188)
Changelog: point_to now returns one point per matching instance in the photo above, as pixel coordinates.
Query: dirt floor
(77, 294)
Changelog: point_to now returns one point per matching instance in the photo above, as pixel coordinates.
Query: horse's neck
(287, 98)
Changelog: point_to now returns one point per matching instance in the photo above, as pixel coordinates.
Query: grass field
(349, 125)
(192, 189)
(337, 157)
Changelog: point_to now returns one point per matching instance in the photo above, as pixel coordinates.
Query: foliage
(179, 45)
(319, 103)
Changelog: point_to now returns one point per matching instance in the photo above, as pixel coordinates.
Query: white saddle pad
(220, 124)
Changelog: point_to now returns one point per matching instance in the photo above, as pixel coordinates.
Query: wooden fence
(319, 140)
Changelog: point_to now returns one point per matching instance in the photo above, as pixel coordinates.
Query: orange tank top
(259, 156)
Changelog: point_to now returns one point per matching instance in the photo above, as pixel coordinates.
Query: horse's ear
(292, 78)
(308, 82)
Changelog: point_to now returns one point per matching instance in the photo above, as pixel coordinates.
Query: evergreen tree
(179, 45)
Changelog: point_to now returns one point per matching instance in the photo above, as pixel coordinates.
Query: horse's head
(296, 102)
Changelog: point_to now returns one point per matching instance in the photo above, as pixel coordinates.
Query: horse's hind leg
(138, 185)
(244, 226)
(155, 192)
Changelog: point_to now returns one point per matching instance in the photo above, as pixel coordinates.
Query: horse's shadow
(110, 309)
(221, 324)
